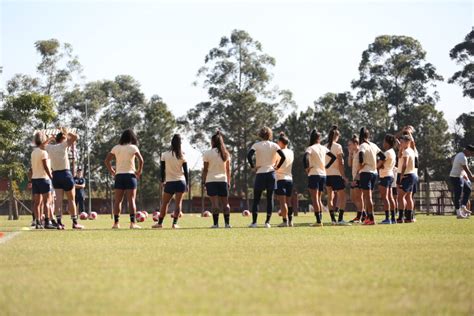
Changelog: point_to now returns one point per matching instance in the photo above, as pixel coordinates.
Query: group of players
(394, 167)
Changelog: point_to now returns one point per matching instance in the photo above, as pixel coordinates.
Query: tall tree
(463, 54)
(394, 70)
(464, 131)
(238, 80)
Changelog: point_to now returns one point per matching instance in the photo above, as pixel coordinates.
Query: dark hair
(470, 148)
(176, 146)
(128, 137)
(283, 138)
(218, 142)
(59, 136)
(364, 135)
(355, 139)
(390, 140)
(265, 133)
(333, 132)
(314, 137)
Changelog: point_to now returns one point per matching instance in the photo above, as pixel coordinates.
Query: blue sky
(317, 45)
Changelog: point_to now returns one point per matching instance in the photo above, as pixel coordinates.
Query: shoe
(386, 222)
(33, 223)
(460, 214)
(253, 225)
(393, 221)
(356, 220)
(267, 225)
(134, 226)
(215, 226)
(400, 221)
(39, 226)
(290, 224)
(116, 226)
(54, 223)
(465, 210)
(49, 226)
(157, 226)
(317, 225)
(228, 226)
(368, 221)
(60, 227)
(175, 226)
(284, 224)
(333, 223)
(343, 223)
(77, 226)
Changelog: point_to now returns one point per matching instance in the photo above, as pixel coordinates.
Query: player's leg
(177, 211)
(385, 201)
(215, 210)
(341, 203)
(165, 202)
(132, 206)
(224, 201)
(58, 206)
(118, 198)
(331, 206)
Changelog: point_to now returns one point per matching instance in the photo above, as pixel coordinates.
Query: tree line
(396, 86)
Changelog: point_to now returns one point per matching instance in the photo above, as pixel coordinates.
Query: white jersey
(58, 154)
(265, 155)
(370, 151)
(388, 164)
(124, 158)
(336, 150)
(174, 167)
(317, 159)
(460, 160)
(37, 157)
(408, 153)
(216, 171)
(284, 173)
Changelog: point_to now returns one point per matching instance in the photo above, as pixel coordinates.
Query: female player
(314, 162)
(460, 176)
(266, 153)
(356, 193)
(175, 178)
(40, 179)
(386, 177)
(407, 179)
(285, 182)
(336, 180)
(126, 175)
(216, 178)
(63, 181)
(368, 154)
(410, 130)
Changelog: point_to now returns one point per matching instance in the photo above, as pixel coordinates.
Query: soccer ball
(246, 213)
(145, 213)
(140, 217)
(279, 212)
(83, 215)
(156, 216)
(206, 214)
(93, 215)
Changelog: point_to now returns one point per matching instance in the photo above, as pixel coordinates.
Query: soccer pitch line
(7, 237)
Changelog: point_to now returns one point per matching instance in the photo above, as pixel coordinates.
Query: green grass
(423, 268)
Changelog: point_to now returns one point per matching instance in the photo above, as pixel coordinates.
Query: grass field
(424, 268)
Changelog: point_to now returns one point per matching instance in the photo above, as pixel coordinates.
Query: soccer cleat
(400, 221)
(134, 226)
(343, 223)
(228, 226)
(253, 225)
(116, 226)
(284, 224)
(465, 210)
(49, 226)
(215, 226)
(77, 226)
(356, 220)
(157, 226)
(460, 214)
(386, 222)
(393, 221)
(175, 226)
(39, 226)
(317, 225)
(267, 225)
(60, 227)
(33, 223)
(368, 221)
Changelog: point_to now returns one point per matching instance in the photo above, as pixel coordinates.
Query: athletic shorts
(335, 182)
(265, 181)
(284, 187)
(355, 184)
(40, 186)
(63, 179)
(173, 187)
(125, 181)
(367, 180)
(408, 182)
(415, 186)
(217, 189)
(386, 182)
(317, 182)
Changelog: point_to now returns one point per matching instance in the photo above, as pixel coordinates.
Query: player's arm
(340, 164)
(333, 159)
(107, 161)
(139, 156)
(468, 172)
(186, 173)
(282, 158)
(204, 172)
(306, 162)
(227, 171)
(70, 137)
(250, 158)
(30, 174)
(163, 171)
(46, 168)
(404, 168)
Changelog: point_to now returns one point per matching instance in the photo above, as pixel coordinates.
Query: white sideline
(8, 237)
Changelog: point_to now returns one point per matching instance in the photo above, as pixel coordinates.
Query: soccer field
(422, 268)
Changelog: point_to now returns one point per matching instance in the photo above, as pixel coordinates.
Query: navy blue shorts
(125, 181)
(317, 182)
(386, 182)
(408, 182)
(63, 179)
(265, 181)
(335, 182)
(40, 186)
(367, 180)
(173, 187)
(284, 187)
(415, 186)
(217, 188)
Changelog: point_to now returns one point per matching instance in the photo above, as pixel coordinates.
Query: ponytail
(355, 139)
(314, 137)
(364, 135)
(283, 138)
(218, 143)
(333, 132)
(176, 146)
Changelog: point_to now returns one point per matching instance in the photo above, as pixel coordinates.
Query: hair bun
(282, 134)
(334, 127)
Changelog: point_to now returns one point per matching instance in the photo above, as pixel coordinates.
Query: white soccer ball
(83, 215)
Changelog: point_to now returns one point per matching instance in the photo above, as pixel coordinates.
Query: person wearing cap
(80, 185)
(459, 183)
